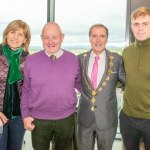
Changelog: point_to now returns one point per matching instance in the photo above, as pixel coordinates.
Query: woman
(13, 52)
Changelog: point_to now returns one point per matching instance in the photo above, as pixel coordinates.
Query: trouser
(87, 136)
(12, 136)
(60, 132)
(132, 130)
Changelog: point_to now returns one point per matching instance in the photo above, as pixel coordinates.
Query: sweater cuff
(25, 114)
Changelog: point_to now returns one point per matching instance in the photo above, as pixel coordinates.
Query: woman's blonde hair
(15, 25)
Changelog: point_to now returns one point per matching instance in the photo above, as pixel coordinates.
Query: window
(77, 16)
(33, 12)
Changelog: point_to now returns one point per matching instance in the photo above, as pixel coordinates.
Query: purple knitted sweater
(49, 86)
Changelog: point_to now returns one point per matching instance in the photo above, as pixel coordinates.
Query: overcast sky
(74, 16)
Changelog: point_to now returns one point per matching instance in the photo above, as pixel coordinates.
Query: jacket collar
(142, 43)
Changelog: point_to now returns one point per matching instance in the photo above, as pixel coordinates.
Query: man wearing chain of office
(97, 112)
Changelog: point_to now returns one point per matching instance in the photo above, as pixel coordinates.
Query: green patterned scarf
(14, 63)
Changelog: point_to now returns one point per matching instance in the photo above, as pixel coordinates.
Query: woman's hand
(3, 119)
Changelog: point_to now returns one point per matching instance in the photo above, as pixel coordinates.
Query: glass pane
(77, 16)
(31, 11)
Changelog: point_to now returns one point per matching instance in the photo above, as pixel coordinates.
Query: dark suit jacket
(105, 108)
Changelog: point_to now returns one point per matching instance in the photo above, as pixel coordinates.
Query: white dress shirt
(57, 54)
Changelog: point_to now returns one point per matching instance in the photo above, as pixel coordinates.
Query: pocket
(71, 118)
(112, 103)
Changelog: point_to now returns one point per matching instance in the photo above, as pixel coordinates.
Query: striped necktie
(53, 57)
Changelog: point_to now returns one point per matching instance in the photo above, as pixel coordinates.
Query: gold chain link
(94, 92)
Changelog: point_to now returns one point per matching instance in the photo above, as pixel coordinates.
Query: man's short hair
(99, 26)
(141, 11)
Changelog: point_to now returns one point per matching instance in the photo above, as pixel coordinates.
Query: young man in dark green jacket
(135, 115)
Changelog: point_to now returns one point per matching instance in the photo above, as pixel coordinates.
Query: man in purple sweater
(48, 97)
